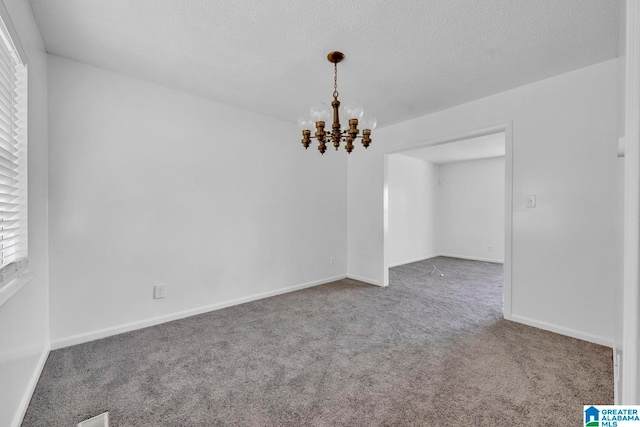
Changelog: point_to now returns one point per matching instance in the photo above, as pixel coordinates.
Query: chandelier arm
(345, 133)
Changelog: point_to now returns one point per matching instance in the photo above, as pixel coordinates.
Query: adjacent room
(308, 214)
(448, 199)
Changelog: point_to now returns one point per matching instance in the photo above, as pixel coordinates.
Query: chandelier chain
(335, 80)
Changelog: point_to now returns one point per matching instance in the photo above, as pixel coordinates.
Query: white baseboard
(114, 330)
(364, 279)
(409, 261)
(562, 330)
(31, 387)
(474, 258)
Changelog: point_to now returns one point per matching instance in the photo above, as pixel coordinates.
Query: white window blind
(13, 160)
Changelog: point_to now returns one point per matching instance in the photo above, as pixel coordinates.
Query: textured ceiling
(403, 58)
(481, 147)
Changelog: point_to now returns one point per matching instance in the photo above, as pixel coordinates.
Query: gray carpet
(427, 350)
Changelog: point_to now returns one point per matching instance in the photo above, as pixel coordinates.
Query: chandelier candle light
(321, 112)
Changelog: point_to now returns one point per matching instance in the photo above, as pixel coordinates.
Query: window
(13, 155)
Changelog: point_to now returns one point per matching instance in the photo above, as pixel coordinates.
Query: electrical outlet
(490, 248)
(332, 261)
(159, 291)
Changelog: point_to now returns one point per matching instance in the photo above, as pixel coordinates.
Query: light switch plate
(531, 201)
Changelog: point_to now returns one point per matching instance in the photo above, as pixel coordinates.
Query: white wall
(150, 185)
(564, 151)
(471, 209)
(413, 209)
(24, 319)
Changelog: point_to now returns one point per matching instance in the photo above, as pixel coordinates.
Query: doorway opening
(451, 197)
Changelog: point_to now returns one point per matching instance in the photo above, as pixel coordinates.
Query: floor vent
(101, 420)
